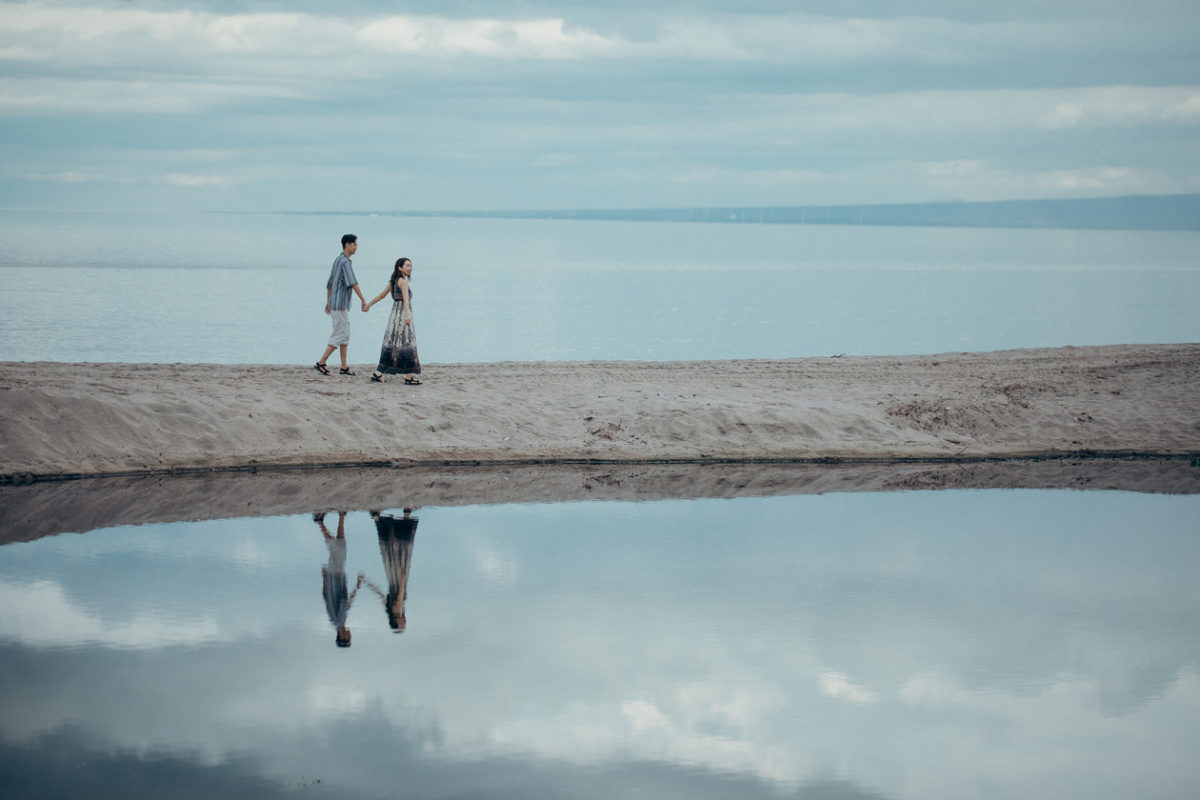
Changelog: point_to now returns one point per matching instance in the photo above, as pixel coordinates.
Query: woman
(399, 353)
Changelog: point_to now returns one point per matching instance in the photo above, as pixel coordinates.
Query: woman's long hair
(396, 272)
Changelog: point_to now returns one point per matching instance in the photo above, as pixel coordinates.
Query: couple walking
(398, 356)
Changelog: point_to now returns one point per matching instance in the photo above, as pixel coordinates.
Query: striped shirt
(341, 278)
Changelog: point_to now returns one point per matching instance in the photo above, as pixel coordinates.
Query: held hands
(366, 306)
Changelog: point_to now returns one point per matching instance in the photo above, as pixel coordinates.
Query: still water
(961, 644)
(221, 288)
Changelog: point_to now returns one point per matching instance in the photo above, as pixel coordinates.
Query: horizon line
(627, 209)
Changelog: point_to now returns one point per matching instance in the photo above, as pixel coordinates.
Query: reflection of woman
(395, 545)
(398, 356)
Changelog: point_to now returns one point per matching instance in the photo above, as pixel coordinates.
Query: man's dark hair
(348, 238)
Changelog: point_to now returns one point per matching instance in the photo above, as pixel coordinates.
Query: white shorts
(341, 327)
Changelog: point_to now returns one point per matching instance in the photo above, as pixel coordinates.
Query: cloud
(91, 24)
(1123, 105)
(489, 38)
(901, 180)
(80, 176)
(275, 33)
(979, 180)
(985, 109)
(102, 36)
(712, 735)
(644, 716)
(795, 39)
(42, 615)
(140, 96)
(101, 174)
(494, 566)
(153, 61)
(581, 106)
(71, 176)
(198, 181)
(936, 691)
(834, 684)
(98, 34)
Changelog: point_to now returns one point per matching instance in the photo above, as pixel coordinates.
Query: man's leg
(340, 337)
(342, 352)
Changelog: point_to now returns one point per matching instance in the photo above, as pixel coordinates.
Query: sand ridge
(73, 420)
(47, 508)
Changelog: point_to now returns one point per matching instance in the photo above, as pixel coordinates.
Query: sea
(250, 288)
(849, 645)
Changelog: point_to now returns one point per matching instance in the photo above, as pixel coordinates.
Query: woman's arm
(407, 305)
(381, 295)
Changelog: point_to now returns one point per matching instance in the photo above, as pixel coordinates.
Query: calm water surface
(967, 644)
(250, 288)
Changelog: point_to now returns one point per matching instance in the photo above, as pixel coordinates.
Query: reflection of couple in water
(395, 545)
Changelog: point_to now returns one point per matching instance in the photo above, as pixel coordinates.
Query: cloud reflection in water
(910, 645)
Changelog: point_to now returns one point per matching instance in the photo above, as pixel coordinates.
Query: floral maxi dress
(398, 355)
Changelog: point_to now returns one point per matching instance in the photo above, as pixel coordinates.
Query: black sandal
(321, 368)
(346, 371)
(377, 377)
(412, 381)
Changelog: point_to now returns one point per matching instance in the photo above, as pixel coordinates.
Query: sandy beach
(79, 420)
(88, 445)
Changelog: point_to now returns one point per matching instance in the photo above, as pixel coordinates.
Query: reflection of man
(333, 574)
(395, 545)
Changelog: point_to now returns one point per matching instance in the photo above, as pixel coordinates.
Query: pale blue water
(966, 644)
(250, 288)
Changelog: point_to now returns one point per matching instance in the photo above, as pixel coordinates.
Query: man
(337, 304)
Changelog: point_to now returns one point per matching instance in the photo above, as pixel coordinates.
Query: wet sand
(30, 512)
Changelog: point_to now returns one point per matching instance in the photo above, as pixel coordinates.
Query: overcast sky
(264, 105)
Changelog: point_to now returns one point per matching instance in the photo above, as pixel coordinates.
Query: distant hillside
(1178, 212)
